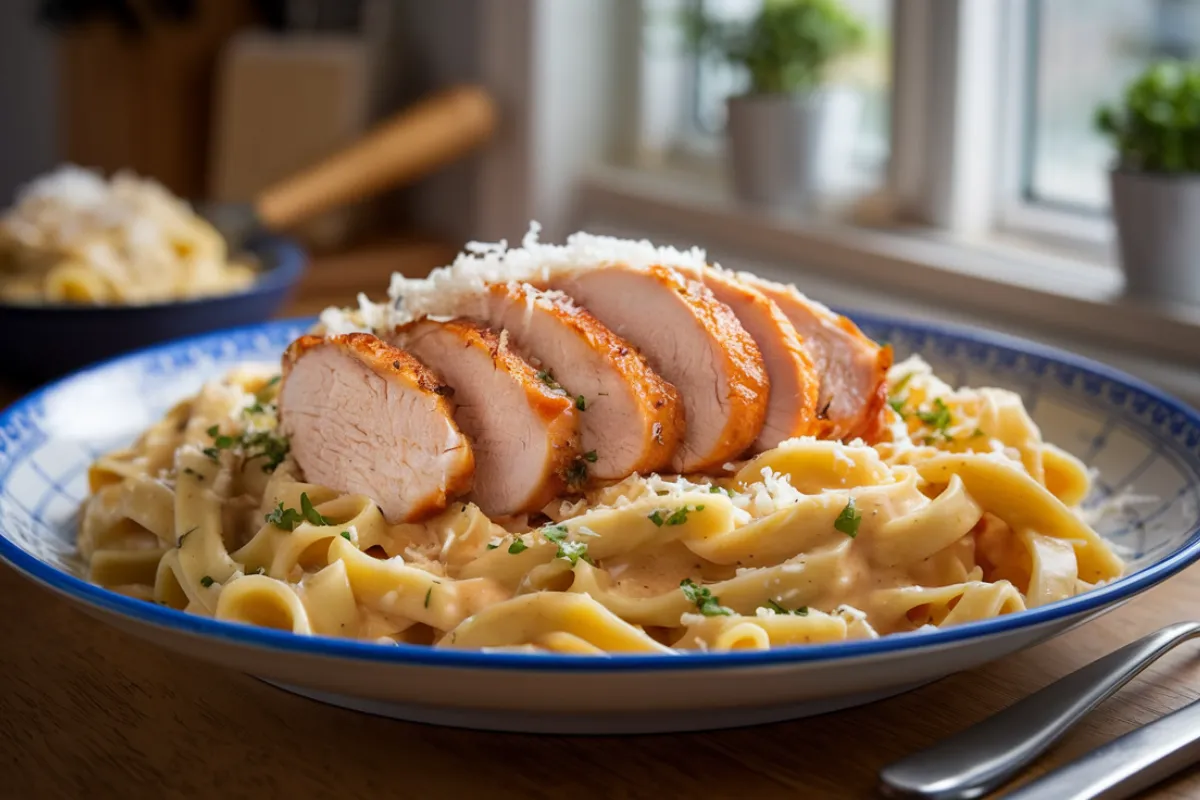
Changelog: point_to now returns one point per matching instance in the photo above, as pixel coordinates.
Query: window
(1082, 53)
(707, 83)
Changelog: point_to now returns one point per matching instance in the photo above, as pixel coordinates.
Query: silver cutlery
(981, 758)
(1124, 766)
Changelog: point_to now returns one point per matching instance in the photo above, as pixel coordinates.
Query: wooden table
(86, 710)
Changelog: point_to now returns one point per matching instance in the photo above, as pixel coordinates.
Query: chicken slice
(853, 369)
(795, 384)
(632, 420)
(694, 342)
(525, 434)
(366, 418)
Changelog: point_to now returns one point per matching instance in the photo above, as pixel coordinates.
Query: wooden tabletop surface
(86, 710)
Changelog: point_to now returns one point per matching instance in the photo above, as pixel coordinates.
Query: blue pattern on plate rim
(1138, 435)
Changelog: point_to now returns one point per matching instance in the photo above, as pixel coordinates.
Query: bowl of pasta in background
(48, 340)
(92, 266)
(1144, 445)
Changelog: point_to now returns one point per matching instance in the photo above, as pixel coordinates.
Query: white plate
(1139, 439)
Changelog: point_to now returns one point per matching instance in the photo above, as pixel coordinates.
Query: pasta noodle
(75, 238)
(963, 513)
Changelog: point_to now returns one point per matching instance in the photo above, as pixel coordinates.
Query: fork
(981, 758)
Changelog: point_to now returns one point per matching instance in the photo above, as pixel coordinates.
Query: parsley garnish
(802, 611)
(581, 402)
(939, 418)
(977, 433)
(263, 444)
(900, 384)
(257, 408)
(346, 535)
(311, 514)
(428, 594)
(517, 546)
(714, 489)
(590, 456)
(676, 517)
(576, 474)
(284, 518)
(702, 596)
(492, 546)
(897, 404)
(555, 533)
(206, 581)
(848, 521)
(545, 377)
(573, 551)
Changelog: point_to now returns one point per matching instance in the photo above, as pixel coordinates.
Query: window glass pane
(869, 72)
(1084, 52)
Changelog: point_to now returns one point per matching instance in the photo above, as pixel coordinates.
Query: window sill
(907, 271)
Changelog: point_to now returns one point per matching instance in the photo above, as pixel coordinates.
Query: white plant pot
(788, 149)
(1158, 234)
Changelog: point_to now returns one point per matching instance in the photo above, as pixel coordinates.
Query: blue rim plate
(1156, 413)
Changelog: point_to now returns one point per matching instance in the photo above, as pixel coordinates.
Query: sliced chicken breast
(853, 369)
(631, 419)
(524, 432)
(795, 384)
(691, 340)
(366, 418)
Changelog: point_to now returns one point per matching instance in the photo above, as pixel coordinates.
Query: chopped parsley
(492, 546)
(714, 489)
(285, 519)
(428, 594)
(938, 418)
(901, 384)
(262, 444)
(590, 456)
(257, 408)
(848, 521)
(977, 433)
(206, 581)
(676, 517)
(576, 474)
(897, 404)
(311, 514)
(802, 611)
(346, 535)
(573, 551)
(517, 546)
(545, 377)
(702, 596)
(581, 402)
(555, 533)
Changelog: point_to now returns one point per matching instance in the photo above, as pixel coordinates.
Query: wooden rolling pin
(418, 140)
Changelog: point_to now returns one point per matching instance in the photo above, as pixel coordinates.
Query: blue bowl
(43, 342)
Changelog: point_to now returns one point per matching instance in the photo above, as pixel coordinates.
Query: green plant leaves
(786, 47)
(1156, 127)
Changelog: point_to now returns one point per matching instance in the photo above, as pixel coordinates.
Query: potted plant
(1155, 180)
(790, 133)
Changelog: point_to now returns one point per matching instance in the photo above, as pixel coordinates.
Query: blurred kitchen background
(976, 189)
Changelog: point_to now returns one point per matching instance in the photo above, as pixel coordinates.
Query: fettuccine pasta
(962, 513)
(74, 237)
